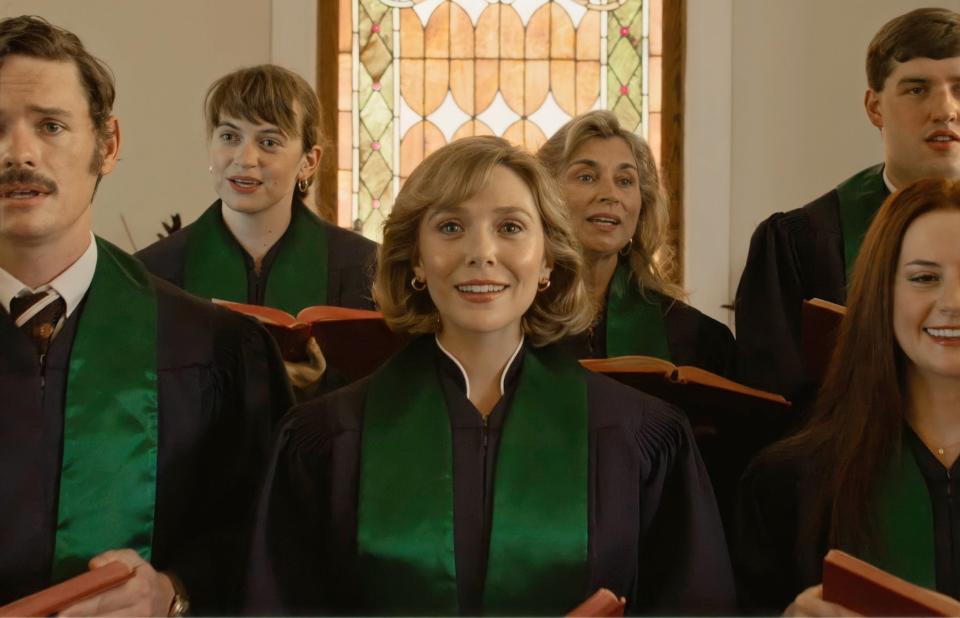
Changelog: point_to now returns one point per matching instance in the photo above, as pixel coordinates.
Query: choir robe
(693, 338)
(221, 389)
(654, 534)
(774, 560)
(350, 264)
(793, 256)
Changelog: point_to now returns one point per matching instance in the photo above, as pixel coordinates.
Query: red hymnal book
(601, 603)
(61, 596)
(686, 386)
(354, 341)
(861, 587)
(819, 330)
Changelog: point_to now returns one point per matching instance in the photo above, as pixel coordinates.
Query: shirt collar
(463, 372)
(72, 284)
(886, 181)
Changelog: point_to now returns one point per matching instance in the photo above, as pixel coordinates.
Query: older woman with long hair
(482, 469)
(612, 189)
(874, 472)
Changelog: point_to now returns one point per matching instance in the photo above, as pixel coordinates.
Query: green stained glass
(376, 57)
(377, 116)
(630, 11)
(386, 145)
(375, 9)
(628, 114)
(365, 86)
(613, 89)
(624, 59)
(363, 203)
(376, 174)
(365, 141)
(373, 226)
(386, 84)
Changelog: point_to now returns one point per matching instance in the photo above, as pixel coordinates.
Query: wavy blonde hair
(448, 177)
(652, 259)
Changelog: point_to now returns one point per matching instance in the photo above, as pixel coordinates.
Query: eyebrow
(922, 263)
(267, 131)
(593, 163)
(50, 111)
(923, 81)
(459, 210)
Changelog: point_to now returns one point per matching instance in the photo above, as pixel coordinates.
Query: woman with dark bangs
(875, 470)
(259, 243)
(482, 469)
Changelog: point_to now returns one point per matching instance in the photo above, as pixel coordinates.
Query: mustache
(27, 177)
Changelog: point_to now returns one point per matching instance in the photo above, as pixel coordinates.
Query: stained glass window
(417, 74)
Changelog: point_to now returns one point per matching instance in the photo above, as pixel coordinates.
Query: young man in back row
(133, 417)
(913, 97)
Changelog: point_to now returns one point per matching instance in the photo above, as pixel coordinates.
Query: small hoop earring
(544, 284)
(303, 185)
(419, 285)
(210, 169)
(625, 250)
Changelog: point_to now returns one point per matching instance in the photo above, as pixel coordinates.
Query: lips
(604, 219)
(244, 184)
(943, 332)
(22, 191)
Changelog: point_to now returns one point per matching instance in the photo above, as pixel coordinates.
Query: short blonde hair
(450, 176)
(267, 93)
(652, 258)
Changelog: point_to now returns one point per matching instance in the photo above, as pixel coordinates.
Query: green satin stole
(216, 265)
(860, 198)
(904, 529)
(634, 321)
(538, 541)
(108, 473)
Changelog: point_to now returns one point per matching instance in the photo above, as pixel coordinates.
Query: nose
(946, 106)
(607, 189)
(949, 302)
(246, 155)
(18, 147)
(481, 248)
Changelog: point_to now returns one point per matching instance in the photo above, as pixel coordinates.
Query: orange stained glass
(411, 149)
(411, 35)
(462, 84)
(563, 83)
(412, 83)
(473, 127)
(436, 82)
(536, 85)
(656, 86)
(437, 35)
(344, 146)
(344, 82)
(538, 34)
(654, 135)
(563, 38)
(344, 197)
(588, 37)
(488, 33)
(511, 33)
(345, 27)
(656, 27)
(461, 33)
(486, 82)
(511, 83)
(588, 85)
(526, 134)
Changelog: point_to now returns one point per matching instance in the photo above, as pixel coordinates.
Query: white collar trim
(466, 380)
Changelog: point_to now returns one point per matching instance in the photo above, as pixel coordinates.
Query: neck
(484, 357)
(37, 264)
(598, 272)
(257, 232)
(933, 412)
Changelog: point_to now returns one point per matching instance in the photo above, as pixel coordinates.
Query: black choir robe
(350, 264)
(774, 559)
(221, 388)
(793, 256)
(654, 534)
(693, 338)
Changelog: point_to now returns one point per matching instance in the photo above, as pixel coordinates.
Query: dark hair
(858, 420)
(267, 93)
(923, 33)
(35, 37)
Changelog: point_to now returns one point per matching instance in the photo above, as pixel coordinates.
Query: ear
(417, 265)
(110, 147)
(871, 103)
(311, 161)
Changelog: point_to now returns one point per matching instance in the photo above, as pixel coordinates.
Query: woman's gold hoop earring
(418, 284)
(303, 185)
(625, 250)
(544, 284)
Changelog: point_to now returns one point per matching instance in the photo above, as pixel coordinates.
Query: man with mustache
(913, 98)
(133, 417)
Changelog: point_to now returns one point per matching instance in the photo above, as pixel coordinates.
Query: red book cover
(51, 600)
(601, 603)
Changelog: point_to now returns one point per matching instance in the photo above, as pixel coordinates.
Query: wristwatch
(180, 604)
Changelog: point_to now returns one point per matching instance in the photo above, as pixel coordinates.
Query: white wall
(796, 126)
(164, 55)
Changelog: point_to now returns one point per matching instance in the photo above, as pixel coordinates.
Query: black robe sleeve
(793, 256)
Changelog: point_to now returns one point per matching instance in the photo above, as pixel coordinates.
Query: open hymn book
(56, 598)
(861, 587)
(354, 341)
(819, 330)
(686, 386)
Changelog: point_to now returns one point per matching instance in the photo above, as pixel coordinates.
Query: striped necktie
(37, 316)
